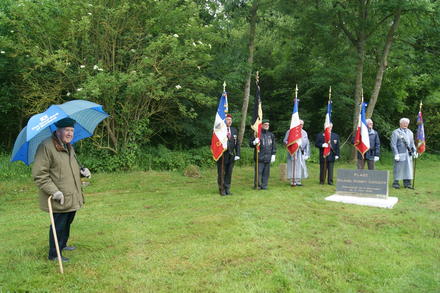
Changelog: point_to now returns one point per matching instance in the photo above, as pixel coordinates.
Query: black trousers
(328, 171)
(62, 225)
(263, 174)
(361, 164)
(224, 182)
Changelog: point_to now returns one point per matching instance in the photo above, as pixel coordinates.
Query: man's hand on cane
(58, 196)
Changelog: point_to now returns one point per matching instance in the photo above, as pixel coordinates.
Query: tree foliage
(157, 67)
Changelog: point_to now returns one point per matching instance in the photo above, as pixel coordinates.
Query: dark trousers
(263, 175)
(62, 225)
(328, 171)
(228, 164)
(361, 164)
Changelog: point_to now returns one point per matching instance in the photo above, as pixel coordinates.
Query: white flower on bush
(209, 46)
(2, 52)
(133, 50)
(176, 35)
(79, 89)
(12, 31)
(68, 94)
(89, 13)
(194, 44)
(95, 67)
(198, 67)
(100, 69)
(82, 66)
(178, 86)
(200, 42)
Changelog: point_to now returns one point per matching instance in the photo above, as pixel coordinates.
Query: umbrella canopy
(86, 114)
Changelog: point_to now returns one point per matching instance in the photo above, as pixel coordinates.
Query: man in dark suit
(266, 155)
(326, 164)
(225, 163)
(372, 155)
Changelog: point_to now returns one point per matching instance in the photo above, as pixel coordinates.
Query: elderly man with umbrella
(47, 140)
(57, 173)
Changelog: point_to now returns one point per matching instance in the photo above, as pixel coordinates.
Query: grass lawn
(163, 232)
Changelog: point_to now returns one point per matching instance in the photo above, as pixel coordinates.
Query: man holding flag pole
(263, 142)
(404, 150)
(366, 140)
(328, 144)
(224, 145)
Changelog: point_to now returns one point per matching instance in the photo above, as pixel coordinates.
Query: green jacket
(56, 169)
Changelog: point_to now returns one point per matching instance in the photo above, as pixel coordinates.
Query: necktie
(229, 133)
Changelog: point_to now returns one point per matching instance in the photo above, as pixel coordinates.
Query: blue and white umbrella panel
(41, 126)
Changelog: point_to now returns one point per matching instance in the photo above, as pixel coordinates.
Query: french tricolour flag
(219, 140)
(294, 139)
(327, 129)
(361, 140)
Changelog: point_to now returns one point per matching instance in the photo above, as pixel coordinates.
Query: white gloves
(236, 158)
(256, 141)
(336, 157)
(58, 196)
(306, 158)
(85, 172)
(272, 159)
(397, 158)
(416, 155)
(376, 158)
(325, 145)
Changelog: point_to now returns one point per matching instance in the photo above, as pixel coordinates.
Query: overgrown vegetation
(158, 66)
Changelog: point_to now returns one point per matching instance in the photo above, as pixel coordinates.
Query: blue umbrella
(86, 114)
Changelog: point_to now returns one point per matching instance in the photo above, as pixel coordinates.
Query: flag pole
(415, 160)
(257, 81)
(222, 181)
(294, 155)
(325, 159)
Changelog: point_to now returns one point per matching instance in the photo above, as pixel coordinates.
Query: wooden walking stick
(55, 237)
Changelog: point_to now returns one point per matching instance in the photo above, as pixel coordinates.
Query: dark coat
(374, 150)
(233, 145)
(334, 146)
(268, 146)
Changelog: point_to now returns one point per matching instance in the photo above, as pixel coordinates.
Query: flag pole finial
(362, 95)
(257, 77)
(296, 92)
(224, 86)
(420, 106)
(330, 94)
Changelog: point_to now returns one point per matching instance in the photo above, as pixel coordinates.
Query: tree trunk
(250, 62)
(383, 64)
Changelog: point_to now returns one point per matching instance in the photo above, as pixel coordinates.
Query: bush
(13, 170)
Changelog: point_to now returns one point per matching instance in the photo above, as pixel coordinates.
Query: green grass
(163, 232)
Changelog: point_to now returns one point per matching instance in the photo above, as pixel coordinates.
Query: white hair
(369, 120)
(404, 120)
